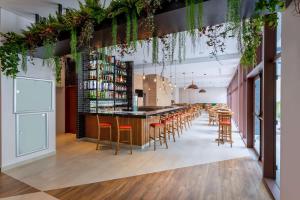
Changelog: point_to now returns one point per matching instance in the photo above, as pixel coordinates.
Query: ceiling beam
(192, 60)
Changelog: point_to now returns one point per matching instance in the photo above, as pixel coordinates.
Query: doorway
(257, 140)
(70, 97)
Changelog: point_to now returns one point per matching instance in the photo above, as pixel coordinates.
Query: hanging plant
(58, 68)
(49, 52)
(155, 50)
(190, 16)
(252, 36)
(134, 28)
(73, 44)
(24, 59)
(86, 34)
(200, 14)
(216, 38)
(181, 47)
(268, 9)
(173, 46)
(9, 53)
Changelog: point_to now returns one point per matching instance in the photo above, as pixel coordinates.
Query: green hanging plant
(252, 36)
(58, 68)
(114, 31)
(190, 15)
(9, 53)
(268, 9)
(73, 44)
(24, 59)
(200, 14)
(155, 50)
(234, 11)
(128, 28)
(49, 52)
(86, 34)
(134, 28)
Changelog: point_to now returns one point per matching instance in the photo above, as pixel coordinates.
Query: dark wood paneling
(269, 103)
(233, 179)
(12, 187)
(250, 109)
(71, 109)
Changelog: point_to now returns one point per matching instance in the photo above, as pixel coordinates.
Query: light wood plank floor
(12, 187)
(226, 180)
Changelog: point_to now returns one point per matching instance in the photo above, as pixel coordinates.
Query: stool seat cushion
(225, 122)
(155, 124)
(125, 127)
(105, 124)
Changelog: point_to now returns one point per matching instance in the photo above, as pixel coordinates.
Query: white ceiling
(28, 8)
(198, 60)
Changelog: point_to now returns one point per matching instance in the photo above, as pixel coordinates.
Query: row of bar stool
(121, 129)
(169, 124)
(172, 124)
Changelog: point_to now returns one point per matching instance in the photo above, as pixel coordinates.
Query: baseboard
(18, 164)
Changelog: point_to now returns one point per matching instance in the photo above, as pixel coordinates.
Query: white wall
(212, 95)
(290, 132)
(11, 22)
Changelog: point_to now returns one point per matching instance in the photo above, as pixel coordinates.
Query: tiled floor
(78, 163)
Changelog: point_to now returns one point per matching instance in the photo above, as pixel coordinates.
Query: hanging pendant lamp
(202, 91)
(193, 86)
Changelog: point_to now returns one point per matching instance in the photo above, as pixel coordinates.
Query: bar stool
(225, 132)
(103, 125)
(167, 122)
(123, 129)
(158, 126)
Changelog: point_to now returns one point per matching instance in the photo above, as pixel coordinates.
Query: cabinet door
(32, 133)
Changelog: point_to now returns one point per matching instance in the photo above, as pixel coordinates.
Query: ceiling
(208, 72)
(28, 8)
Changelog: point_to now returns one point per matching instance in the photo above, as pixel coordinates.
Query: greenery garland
(155, 50)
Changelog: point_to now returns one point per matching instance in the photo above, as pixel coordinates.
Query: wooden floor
(12, 187)
(227, 180)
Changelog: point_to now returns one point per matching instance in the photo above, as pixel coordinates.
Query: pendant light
(202, 91)
(144, 76)
(184, 80)
(193, 86)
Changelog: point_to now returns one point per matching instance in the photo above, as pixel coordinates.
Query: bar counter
(139, 120)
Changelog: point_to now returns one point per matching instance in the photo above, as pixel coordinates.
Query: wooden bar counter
(139, 120)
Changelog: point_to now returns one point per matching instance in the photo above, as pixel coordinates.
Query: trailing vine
(9, 53)
(128, 28)
(58, 68)
(134, 28)
(155, 50)
(73, 44)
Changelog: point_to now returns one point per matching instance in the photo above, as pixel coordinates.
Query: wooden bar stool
(103, 125)
(123, 129)
(158, 126)
(225, 129)
(166, 121)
